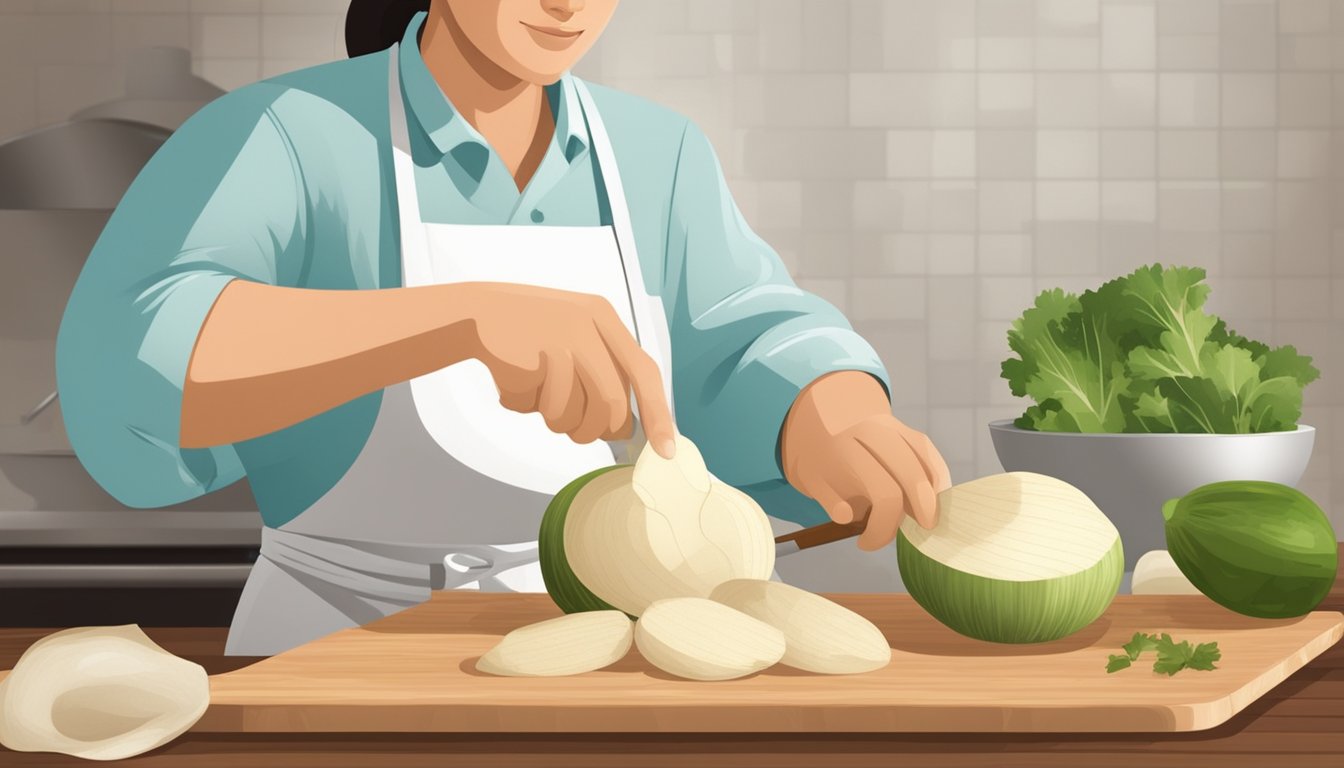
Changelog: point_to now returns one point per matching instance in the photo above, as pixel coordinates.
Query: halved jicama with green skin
(1014, 558)
(568, 645)
(626, 536)
(699, 639)
(819, 635)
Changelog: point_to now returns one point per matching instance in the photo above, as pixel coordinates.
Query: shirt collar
(430, 110)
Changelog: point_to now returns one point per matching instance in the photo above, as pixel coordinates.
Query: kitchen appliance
(60, 533)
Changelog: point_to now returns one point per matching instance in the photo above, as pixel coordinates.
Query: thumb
(837, 508)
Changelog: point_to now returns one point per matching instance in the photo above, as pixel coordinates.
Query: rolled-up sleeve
(745, 339)
(219, 201)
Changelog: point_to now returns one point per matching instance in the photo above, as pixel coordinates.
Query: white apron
(449, 489)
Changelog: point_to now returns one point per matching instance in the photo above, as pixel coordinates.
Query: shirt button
(537, 216)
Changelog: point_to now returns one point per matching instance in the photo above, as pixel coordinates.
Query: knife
(815, 536)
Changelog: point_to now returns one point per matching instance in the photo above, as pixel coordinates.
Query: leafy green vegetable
(1138, 644)
(1204, 656)
(1116, 663)
(1141, 354)
(1172, 656)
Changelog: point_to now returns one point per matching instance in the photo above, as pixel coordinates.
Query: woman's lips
(553, 37)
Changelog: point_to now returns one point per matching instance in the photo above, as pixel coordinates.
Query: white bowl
(1130, 476)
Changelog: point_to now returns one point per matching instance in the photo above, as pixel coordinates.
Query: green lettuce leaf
(1140, 354)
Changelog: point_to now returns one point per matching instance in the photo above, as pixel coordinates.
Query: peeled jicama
(1014, 558)
(819, 635)
(625, 536)
(700, 639)
(1157, 574)
(100, 693)
(568, 645)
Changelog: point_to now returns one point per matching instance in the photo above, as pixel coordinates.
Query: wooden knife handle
(822, 534)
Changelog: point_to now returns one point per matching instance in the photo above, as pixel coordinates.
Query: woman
(410, 294)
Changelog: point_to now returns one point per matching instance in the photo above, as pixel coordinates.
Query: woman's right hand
(568, 357)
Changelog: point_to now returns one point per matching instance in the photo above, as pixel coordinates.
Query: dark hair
(375, 25)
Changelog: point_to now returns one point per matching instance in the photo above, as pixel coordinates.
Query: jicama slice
(819, 635)
(99, 693)
(699, 639)
(568, 645)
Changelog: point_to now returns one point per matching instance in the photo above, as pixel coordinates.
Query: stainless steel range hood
(58, 186)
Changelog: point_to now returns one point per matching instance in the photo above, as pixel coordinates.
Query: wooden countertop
(1299, 723)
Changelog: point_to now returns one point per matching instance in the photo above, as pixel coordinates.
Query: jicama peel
(699, 639)
(568, 645)
(626, 536)
(99, 693)
(1015, 558)
(819, 635)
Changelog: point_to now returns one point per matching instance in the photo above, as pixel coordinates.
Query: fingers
(929, 457)
(889, 448)
(608, 399)
(868, 483)
(562, 397)
(646, 380)
(833, 501)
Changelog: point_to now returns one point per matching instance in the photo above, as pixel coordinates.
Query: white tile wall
(926, 165)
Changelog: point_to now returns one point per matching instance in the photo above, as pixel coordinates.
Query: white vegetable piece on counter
(99, 693)
(819, 635)
(1157, 574)
(664, 528)
(1015, 558)
(568, 645)
(699, 639)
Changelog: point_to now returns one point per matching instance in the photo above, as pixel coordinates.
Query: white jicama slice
(99, 693)
(819, 635)
(1157, 574)
(1015, 558)
(568, 645)
(699, 639)
(664, 528)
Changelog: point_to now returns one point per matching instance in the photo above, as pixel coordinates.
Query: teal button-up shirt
(289, 182)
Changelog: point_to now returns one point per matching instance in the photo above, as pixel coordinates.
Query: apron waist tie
(350, 567)
(355, 567)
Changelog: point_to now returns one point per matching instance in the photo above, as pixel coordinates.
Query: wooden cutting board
(415, 672)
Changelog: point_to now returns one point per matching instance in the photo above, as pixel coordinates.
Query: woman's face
(534, 40)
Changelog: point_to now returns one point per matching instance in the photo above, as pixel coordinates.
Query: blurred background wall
(927, 165)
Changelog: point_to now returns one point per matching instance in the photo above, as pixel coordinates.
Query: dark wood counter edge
(1299, 723)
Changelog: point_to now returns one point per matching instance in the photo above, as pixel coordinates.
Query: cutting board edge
(473, 718)
(1214, 712)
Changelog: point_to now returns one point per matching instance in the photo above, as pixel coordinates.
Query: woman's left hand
(842, 446)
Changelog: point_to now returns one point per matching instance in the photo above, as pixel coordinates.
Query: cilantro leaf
(1204, 656)
(1172, 656)
(1117, 662)
(1139, 643)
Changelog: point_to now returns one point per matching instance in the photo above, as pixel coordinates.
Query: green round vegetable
(564, 587)
(1003, 611)
(1014, 558)
(1261, 549)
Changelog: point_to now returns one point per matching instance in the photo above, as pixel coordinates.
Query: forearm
(268, 357)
